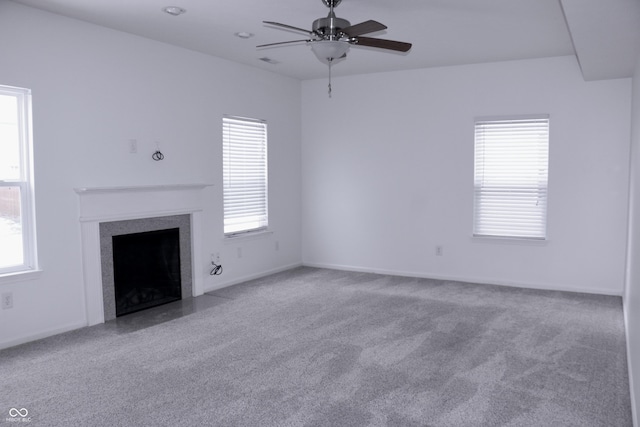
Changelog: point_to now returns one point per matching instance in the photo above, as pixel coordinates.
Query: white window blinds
(511, 170)
(244, 174)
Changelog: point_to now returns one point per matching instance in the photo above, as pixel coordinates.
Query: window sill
(497, 240)
(20, 276)
(247, 236)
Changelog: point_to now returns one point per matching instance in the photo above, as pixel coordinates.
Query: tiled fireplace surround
(135, 209)
(129, 226)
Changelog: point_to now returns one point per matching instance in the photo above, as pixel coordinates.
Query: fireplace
(145, 262)
(146, 270)
(106, 212)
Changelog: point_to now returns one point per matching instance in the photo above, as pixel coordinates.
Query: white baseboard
(50, 332)
(40, 335)
(70, 327)
(250, 277)
(634, 409)
(482, 280)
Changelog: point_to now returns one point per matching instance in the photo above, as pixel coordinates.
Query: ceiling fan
(331, 37)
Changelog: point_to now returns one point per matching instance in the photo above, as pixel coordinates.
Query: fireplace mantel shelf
(138, 188)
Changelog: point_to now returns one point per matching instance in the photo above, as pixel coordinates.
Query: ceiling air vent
(269, 60)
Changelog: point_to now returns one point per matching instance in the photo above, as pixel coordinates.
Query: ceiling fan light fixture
(329, 50)
(331, 37)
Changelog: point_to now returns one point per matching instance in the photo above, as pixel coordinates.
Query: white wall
(632, 291)
(388, 174)
(93, 90)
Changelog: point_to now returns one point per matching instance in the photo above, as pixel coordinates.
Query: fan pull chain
(330, 61)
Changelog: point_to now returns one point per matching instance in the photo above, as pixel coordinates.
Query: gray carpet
(314, 347)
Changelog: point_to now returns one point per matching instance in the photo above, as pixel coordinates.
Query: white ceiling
(605, 34)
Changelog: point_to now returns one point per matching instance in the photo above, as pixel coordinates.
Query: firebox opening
(146, 268)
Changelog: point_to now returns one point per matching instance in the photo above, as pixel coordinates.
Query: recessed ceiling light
(174, 10)
(244, 35)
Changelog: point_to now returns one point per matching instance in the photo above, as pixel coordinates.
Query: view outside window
(15, 229)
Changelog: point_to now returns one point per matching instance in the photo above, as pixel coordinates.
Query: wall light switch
(133, 146)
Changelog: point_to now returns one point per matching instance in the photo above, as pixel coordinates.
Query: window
(244, 175)
(17, 231)
(511, 169)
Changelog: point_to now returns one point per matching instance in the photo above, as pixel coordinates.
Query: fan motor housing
(329, 26)
(331, 3)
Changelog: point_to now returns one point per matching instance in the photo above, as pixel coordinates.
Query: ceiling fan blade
(365, 27)
(277, 24)
(279, 43)
(382, 43)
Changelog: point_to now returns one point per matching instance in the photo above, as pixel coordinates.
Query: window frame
(539, 191)
(25, 184)
(261, 220)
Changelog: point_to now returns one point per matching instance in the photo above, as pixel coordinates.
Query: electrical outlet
(277, 245)
(439, 251)
(215, 258)
(239, 252)
(7, 300)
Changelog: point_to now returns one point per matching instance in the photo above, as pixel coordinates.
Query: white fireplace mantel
(120, 203)
(104, 204)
